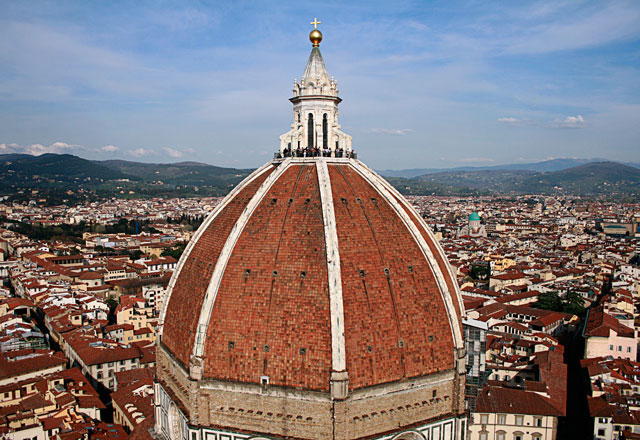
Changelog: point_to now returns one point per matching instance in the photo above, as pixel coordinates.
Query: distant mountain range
(595, 178)
(542, 167)
(181, 173)
(66, 175)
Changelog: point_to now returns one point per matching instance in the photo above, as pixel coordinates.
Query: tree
(174, 252)
(136, 254)
(480, 271)
(573, 303)
(549, 301)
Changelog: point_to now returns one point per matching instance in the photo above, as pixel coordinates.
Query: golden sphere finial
(315, 36)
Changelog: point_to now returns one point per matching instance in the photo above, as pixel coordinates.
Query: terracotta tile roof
(39, 360)
(514, 401)
(599, 323)
(141, 431)
(124, 378)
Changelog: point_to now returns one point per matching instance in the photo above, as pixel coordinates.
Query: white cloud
(110, 148)
(569, 122)
(139, 152)
(173, 152)
(509, 120)
(38, 149)
(392, 132)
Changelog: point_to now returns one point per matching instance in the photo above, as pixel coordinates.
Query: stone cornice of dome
(374, 391)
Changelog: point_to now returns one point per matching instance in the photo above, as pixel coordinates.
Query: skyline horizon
(181, 160)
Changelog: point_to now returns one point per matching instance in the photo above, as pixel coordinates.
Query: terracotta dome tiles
(271, 313)
(277, 314)
(190, 287)
(385, 315)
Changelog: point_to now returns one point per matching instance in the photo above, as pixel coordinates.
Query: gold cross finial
(315, 22)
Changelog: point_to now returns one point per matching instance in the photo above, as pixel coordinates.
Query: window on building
(536, 436)
(628, 349)
(538, 421)
(602, 420)
(484, 419)
(483, 436)
(619, 347)
(518, 436)
(99, 375)
(310, 135)
(611, 347)
(502, 419)
(519, 420)
(601, 432)
(325, 132)
(501, 435)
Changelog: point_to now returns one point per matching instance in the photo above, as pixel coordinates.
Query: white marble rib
(338, 355)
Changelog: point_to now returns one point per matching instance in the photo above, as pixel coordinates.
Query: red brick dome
(313, 266)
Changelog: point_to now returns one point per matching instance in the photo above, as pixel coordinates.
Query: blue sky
(423, 83)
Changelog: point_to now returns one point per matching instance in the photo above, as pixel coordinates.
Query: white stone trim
(433, 238)
(377, 182)
(203, 227)
(225, 254)
(338, 355)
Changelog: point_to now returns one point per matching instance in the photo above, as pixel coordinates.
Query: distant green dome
(474, 217)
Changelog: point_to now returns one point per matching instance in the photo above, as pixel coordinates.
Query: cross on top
(315, 22)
